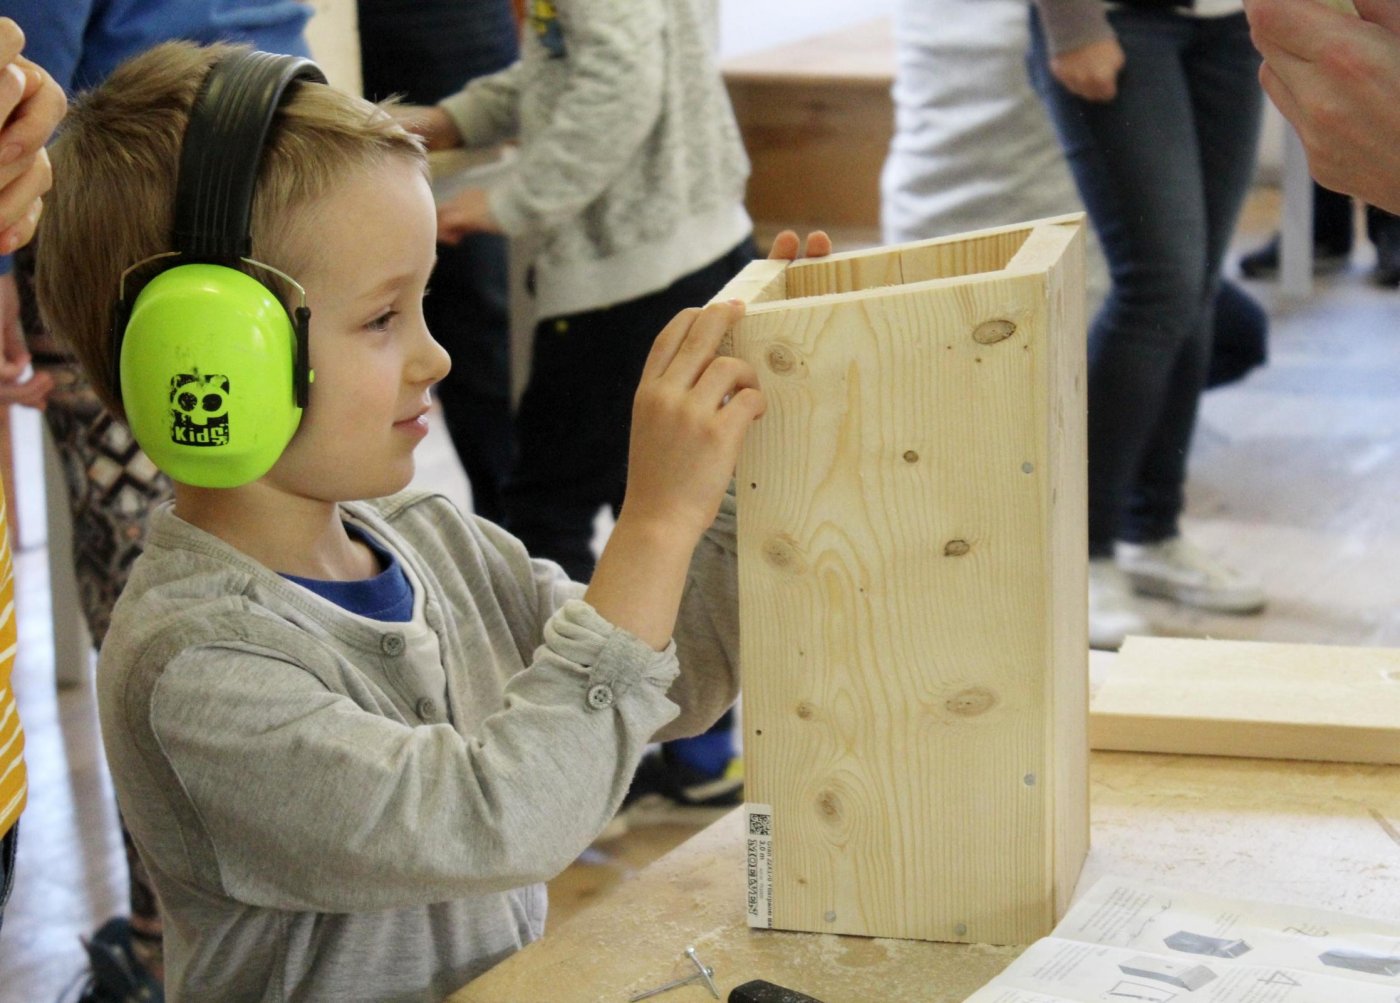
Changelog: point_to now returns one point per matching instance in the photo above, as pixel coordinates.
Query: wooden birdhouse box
(912, 561)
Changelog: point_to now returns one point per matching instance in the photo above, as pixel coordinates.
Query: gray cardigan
(631, 171)
(336, 808)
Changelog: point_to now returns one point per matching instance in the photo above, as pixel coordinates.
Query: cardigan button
(600, 696)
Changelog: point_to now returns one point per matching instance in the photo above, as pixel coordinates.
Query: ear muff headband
(223, 148)
(213, 371)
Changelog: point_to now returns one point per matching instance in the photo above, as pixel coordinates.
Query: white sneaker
(1112, 613)
(1176, 569)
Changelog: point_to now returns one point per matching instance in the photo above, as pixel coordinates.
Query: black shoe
(1262, 263)
(117, 975)
(666, 791)
(1387, 271)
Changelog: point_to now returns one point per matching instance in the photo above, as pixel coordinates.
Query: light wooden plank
(914, 653)
(1245, 698)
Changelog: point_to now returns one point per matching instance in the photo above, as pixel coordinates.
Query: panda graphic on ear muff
(213, 370)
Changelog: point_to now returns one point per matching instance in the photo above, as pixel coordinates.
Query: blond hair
(115, 165)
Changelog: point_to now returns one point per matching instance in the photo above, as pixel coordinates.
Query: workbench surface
(1320, 834)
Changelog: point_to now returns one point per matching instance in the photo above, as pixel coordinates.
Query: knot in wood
(829, 804)
(783, 554)
(805, 711)
(971, 702)
(992, 331)
(956, 548)
(910, 456)
(781, 359)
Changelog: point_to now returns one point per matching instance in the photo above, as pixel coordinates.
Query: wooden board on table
(1245, 698)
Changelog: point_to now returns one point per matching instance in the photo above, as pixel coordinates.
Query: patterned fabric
(13, 786)
(111, 484)
(111, 488)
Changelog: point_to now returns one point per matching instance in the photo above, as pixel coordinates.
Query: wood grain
(911, 587)
(1243, 698)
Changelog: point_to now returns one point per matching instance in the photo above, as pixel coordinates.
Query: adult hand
(1090, 71)
(1337, 79)
(786, 245)
(31, 106)
(466, 212)
(14, 356)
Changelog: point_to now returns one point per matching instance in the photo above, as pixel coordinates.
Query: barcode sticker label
(758, 846)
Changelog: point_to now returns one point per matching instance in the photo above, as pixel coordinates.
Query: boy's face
(371, 247)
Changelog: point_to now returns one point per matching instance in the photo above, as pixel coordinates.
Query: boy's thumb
(1385, 13)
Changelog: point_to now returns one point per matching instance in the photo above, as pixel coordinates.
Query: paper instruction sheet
(1126, 942)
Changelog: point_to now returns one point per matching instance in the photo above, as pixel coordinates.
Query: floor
(1294, 476)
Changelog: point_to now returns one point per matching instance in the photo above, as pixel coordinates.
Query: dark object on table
(759, 991)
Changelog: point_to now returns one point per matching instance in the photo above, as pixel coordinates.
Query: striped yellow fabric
(13, 787)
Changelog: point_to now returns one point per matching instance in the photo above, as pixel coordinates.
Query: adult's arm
(1337, 79)
(1085, 56)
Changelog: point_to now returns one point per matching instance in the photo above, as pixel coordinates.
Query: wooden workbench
(1321, 834)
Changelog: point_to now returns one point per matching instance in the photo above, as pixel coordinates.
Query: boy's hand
(689, 417)
(466, 212)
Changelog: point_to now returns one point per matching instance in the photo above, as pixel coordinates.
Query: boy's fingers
(697, 349)
(667, 343)
(690, 341)
(723, 379)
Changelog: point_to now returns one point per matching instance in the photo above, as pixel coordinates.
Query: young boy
(351, 738)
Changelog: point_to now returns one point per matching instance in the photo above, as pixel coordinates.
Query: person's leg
(9, 844)
(1383, 229)
(1137, 165)
(467, 310)
(423, 51)
(566, 429)
(1332, 221)
(575, 417)
(1332, 239)
(1220, 70)
(1241, 340)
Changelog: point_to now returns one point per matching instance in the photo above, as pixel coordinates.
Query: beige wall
(334, 43)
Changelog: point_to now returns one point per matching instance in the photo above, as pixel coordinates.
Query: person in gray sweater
(351, 738)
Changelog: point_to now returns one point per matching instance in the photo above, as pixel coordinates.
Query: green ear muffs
(213, 370)
(206, 375)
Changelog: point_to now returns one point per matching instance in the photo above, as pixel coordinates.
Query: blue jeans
(1163, 170)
